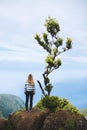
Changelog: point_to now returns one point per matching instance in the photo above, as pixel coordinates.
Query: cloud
(65, 76)
(11, 52)
(80, 59)
(74, 59)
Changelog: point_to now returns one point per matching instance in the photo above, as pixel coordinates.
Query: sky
(20, 53)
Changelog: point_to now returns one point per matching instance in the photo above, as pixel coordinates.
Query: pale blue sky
(20, 54)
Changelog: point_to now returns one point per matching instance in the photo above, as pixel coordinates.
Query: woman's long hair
(30, 79)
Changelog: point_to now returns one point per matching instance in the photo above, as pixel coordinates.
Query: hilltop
(44, 120)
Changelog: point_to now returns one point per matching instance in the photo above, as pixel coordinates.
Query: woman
(29, 92)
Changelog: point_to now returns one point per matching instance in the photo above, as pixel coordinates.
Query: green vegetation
(60, 129)
(54, 104)
(54, 45)
(9, 104)
(71, 124)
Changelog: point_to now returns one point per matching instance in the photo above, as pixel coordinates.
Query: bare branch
(64, 49)
(41, 88)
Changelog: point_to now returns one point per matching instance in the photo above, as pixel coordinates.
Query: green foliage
(48, 87)
(45, 37)
(64, 102)
(68, 43)
(55, 51)
(54, 104)
(51, 42)
(52, 26)
(60, 129)
(51, 103)
(9, 104)
(49, 59)
(39, 105)
(71, 108)
(57, 63)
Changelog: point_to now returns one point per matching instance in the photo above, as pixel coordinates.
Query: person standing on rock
(29, 91)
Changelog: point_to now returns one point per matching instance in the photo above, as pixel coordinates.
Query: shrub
(71, 108)
(54, 104)
(51, 102)
(39, 105)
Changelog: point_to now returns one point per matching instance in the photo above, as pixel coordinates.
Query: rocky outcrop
(44, 120)
(23, 120)
(64, 120)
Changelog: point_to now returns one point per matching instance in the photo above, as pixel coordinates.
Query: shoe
(30, 110)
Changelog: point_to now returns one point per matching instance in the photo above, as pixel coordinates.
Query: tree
(53, 44)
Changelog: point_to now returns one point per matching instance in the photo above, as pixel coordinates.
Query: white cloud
(21, 20)
(74, 59)
(61, 76)
(11, 52)
(80, 59)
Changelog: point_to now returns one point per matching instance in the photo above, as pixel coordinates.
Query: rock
(23, 120)
(3, 124)
(44, 120)
(64, 120)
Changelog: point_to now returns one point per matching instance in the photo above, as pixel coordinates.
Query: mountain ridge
(9, 103)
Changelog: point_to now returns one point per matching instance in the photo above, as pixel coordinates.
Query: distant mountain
(84, 111)
(9, 104)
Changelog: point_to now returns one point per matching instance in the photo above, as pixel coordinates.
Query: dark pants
(29, 95)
